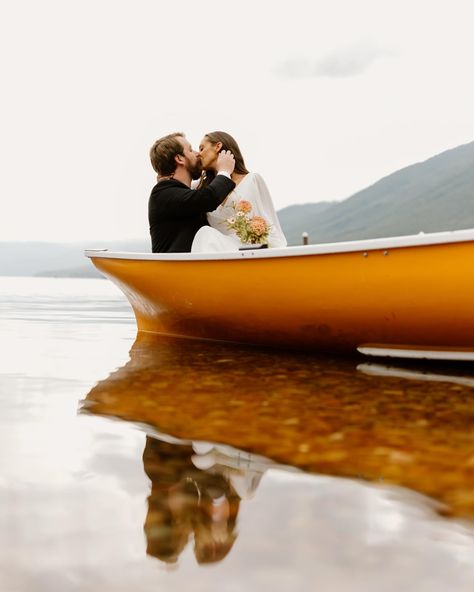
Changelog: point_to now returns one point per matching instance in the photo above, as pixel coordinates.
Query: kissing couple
(206, 201)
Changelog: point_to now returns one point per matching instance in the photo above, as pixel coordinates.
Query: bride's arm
(262, 204)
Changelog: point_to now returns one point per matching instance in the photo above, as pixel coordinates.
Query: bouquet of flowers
(249, 229)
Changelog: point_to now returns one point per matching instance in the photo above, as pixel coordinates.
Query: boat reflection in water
(308, 413)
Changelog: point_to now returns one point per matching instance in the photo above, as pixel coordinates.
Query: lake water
(149, 463)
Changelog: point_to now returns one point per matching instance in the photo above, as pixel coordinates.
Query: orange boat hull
(416, 296)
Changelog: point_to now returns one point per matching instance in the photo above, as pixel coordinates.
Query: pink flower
(259, 225)
(244, 206)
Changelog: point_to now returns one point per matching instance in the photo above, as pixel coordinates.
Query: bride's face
(208, 153)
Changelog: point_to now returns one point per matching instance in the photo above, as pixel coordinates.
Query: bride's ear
(218, 147)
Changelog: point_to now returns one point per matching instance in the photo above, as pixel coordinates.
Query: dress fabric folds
(217, 237)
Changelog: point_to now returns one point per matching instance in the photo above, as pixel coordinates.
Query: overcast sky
(324, 98)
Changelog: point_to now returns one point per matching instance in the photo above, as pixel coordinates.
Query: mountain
(57, 259)
(431, 196)
(292, 218)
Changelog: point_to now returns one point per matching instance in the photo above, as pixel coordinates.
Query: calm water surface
(146, 463)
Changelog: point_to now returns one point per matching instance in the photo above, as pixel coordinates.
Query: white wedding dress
(218, 237)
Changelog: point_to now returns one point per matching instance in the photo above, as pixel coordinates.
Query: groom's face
(193, 161)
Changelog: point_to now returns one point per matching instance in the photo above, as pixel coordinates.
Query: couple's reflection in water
(405, 425)
(187, 503)
(194, 498)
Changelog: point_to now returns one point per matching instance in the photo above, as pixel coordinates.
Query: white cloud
(341, 63)
(349, 62)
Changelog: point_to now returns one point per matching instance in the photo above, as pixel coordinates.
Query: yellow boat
(408, 296)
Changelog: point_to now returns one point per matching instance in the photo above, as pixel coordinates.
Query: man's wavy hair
(163, 152)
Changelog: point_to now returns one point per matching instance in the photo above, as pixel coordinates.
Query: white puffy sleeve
(256, 192)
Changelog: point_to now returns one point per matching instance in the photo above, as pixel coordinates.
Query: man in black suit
(175, 211)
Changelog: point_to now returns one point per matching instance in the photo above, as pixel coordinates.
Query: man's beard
(195, 171)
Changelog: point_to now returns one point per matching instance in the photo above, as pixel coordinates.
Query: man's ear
(179, 159)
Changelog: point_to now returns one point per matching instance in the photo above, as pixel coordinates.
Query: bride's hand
(225, 162)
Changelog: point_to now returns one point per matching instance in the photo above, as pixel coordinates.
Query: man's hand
(225, 162)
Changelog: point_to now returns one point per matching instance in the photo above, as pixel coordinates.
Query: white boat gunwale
(374, 244)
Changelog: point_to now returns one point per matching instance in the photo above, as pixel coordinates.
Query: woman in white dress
(249, 187)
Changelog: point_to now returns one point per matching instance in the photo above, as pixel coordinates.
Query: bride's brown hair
(228, 143)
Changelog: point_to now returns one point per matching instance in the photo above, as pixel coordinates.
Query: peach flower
(244, 206)
(258, 225)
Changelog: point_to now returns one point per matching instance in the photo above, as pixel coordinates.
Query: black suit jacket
(176, 212)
